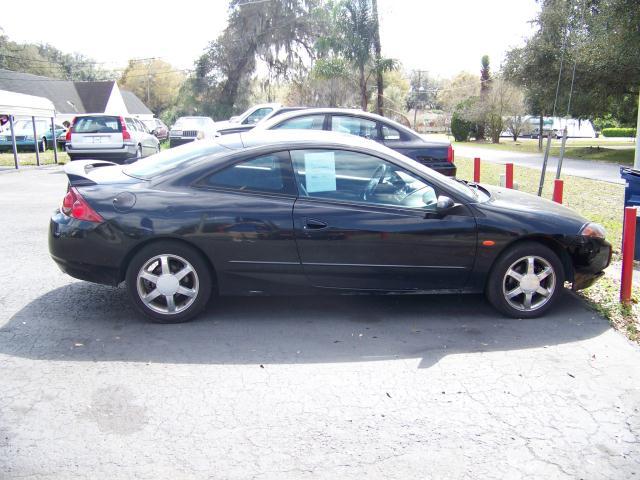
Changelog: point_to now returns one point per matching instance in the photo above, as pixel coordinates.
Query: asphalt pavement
(297, 388)
(594, 170)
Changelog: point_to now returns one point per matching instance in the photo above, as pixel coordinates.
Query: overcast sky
(440, 36)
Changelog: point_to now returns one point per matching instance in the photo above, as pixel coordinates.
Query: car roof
(324, 111)
(258, 138)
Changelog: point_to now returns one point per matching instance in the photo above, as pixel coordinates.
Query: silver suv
(109, 137)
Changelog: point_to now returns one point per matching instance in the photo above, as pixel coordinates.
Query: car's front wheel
(525, 281)
(169, 282)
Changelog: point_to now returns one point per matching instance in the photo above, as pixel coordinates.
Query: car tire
(156, 294)
(525, 281)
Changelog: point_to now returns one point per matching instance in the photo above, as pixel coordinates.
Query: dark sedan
(433, 154)
(312, 212)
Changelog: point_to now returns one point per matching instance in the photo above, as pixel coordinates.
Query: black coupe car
(434, 154)
(312, 212)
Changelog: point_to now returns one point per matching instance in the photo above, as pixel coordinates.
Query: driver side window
(348, 176)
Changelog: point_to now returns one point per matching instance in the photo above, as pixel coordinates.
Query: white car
(109, 137)
(250, 116)
(188, 129)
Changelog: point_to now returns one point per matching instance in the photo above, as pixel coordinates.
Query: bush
(611, 132)
(460, 128)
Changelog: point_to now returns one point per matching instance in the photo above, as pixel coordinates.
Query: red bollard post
(508, 180)
(476, 170)
(558, 188)
(628, 247)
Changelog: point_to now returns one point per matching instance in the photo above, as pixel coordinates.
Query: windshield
(462, 188)
(177, 157)
(186, 123)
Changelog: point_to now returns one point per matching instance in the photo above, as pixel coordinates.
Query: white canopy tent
(18, 104)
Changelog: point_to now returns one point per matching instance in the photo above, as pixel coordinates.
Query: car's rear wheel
(169, 282)
(525, 281)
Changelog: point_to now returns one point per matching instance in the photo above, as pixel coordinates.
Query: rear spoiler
(78, 171)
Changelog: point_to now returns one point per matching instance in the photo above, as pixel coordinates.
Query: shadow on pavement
(87, 322)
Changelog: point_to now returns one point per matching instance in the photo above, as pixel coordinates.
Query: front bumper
(590, 258)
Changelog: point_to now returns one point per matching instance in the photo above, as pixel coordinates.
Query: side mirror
(234, 119)
(444, 204)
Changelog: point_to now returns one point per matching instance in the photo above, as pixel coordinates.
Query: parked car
(300, 212)
(161, 131)
(23, 131)
(239, 127)
(109, 137)
(433, 154)
(250, 116)
(157, 127)
(188, 129)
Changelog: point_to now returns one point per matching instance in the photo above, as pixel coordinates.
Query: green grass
(29, 158)
(604, 150)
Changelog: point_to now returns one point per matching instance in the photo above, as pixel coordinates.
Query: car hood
(530, 207)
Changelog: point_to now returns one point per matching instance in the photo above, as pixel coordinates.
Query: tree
(155, 81)
(46, 60)
(602, 38)
(278, 33)
(352, 37)
(502, 100)
(456, 92)
(516, 125)
(485, 84)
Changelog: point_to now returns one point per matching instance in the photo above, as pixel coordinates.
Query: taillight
(125, 133)
(450, 154)
(75, 206)
(68, 136)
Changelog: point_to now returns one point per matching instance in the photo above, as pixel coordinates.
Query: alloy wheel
(529, 283)
(167, 284)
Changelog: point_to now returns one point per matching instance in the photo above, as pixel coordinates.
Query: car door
(246, 224)
(363, 222)
(148, 141)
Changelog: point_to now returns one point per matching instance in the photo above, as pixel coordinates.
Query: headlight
(593, 230)
(175, 133)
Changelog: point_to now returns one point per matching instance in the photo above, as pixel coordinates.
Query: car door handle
(312, 224)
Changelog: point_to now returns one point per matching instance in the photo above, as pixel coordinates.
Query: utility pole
(416, 93)
(378, 53)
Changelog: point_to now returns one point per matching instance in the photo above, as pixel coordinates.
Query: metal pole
(564, 144)
(636, 162)
(55, 140)
(13, 141)
(628, 247)
(35, 140)
(544, 165)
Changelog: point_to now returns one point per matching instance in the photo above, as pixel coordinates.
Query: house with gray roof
(72, 98)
